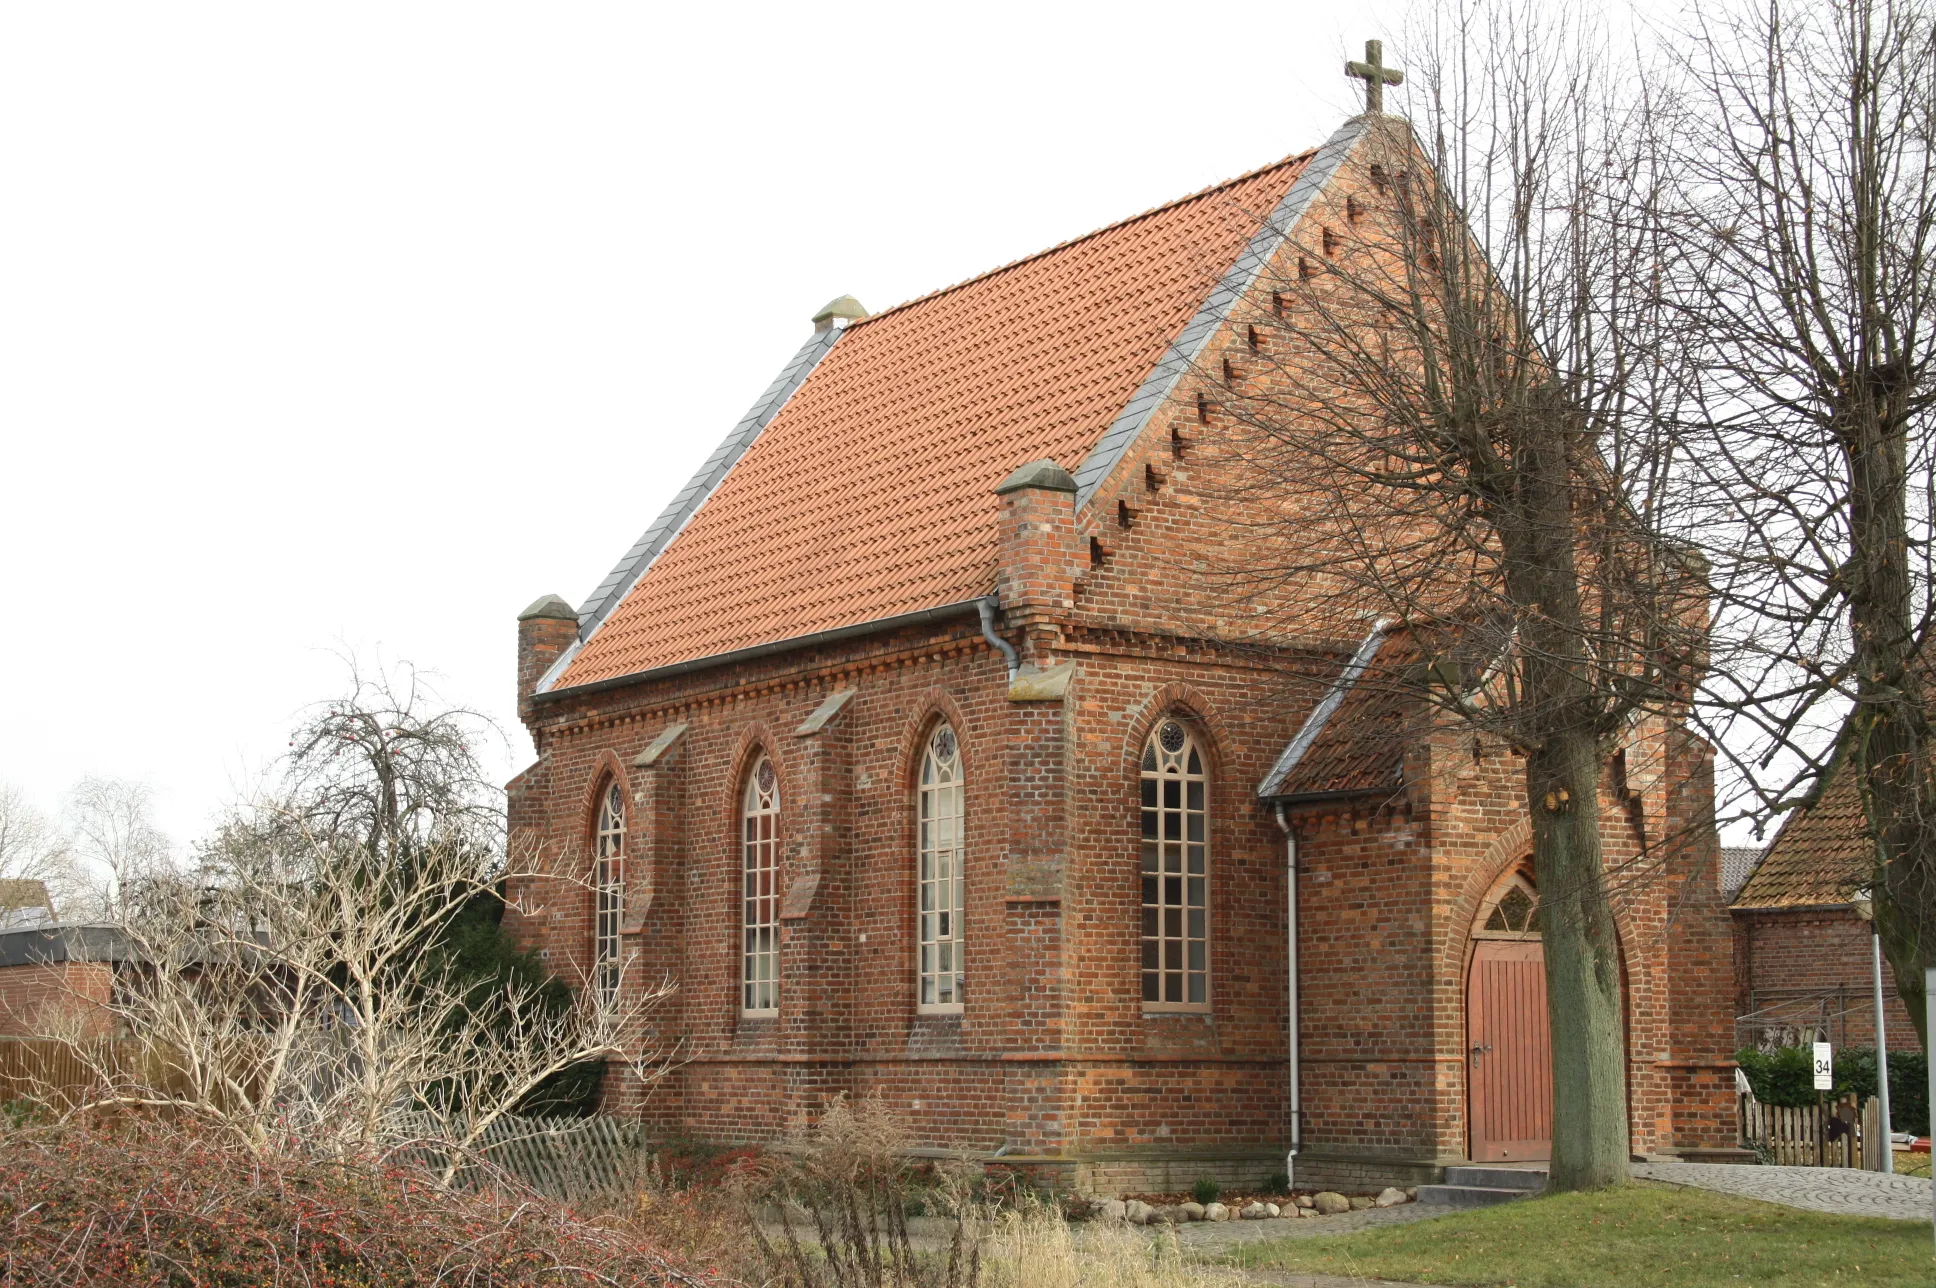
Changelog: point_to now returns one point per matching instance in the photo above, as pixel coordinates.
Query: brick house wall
(28, 992)
(1804, 970)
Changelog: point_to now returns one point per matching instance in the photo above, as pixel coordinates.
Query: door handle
(1482, 1049)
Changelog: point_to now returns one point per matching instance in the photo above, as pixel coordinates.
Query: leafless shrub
(848, 1177)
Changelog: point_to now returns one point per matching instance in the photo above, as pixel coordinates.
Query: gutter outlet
(988, 605)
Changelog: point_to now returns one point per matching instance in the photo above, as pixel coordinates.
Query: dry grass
(1035, 1248)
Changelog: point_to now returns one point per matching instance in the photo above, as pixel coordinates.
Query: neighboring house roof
(1821, 855)
(1737, 865)
(23, 903)
(861, 488)
(47, 945)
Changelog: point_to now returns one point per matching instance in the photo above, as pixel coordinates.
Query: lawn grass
(1638, 1234)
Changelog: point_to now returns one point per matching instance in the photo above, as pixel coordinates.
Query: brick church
(919, 743)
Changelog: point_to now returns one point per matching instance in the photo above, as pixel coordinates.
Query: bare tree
(389, 766)
(296, 984)
(1452, 421)
(295, 1003)
(114, 838)
(1805, 172)
(33, 849)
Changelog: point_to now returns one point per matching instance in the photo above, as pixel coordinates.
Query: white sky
(360, 326)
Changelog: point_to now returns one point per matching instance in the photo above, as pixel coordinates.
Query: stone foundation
(1174, 1171)
(1362, 1172)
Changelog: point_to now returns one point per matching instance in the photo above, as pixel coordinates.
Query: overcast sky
(357, 327)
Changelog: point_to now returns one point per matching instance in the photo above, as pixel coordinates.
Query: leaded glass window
(942, 887)
(1176, 873)
(760, 890)
(608, 880)
(1515, 909)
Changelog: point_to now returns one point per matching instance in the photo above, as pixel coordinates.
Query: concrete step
(1468, 1196)
(1529, 1179)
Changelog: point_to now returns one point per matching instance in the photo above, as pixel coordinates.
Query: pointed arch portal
(1509, 1054)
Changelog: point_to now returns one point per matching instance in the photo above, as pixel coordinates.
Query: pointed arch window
(608, 880)
(1512, 910)
(760, 891)
(1176, 871)
(942, 896)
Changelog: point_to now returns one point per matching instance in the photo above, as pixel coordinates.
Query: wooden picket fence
(33, 1069)
(1804, 1135)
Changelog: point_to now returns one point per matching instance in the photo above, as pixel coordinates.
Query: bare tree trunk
(1584, 1002)
(1562, 711)
(1889, 727)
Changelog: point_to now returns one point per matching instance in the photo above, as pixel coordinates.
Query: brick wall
(1806, 970)
(28, 994)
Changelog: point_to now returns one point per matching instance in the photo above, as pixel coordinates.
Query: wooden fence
(566, 1158)
(1829, 1135)
(38, 1069)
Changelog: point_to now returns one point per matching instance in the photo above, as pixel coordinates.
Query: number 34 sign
(1824, 1067)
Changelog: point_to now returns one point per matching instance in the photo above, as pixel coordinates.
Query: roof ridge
(1198, 195)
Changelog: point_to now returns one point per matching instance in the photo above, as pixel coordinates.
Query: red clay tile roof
(871, 493)
(1820, 856)
(1360, 747)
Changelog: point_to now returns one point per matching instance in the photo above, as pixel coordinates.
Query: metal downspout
(1882, 1051)
(987, 606)
(1290, 945)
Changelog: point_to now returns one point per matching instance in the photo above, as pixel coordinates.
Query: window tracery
(1175, 870)
(608, 881)
(760, 890)
(942, 886)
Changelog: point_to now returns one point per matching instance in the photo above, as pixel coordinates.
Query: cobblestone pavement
(1840, 1190)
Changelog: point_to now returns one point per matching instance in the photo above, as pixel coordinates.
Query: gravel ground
(1213, 1238)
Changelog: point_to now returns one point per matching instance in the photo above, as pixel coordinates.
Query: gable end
(1188, 346)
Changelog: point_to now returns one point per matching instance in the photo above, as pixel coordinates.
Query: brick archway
(1509, 853)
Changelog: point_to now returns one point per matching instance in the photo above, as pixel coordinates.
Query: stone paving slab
(1841, 1190)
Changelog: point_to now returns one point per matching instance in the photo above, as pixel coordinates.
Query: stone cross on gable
(1375, 75)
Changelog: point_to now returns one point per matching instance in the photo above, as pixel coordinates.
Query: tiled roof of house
(1354, 739)
(869, 493)
(1737, 865)
(1820, 856)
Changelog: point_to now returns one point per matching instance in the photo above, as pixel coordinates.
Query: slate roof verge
(686, 502)
(1189, 344)
(1311, 767)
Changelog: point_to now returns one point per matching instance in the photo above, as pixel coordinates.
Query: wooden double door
(1509, 1062)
